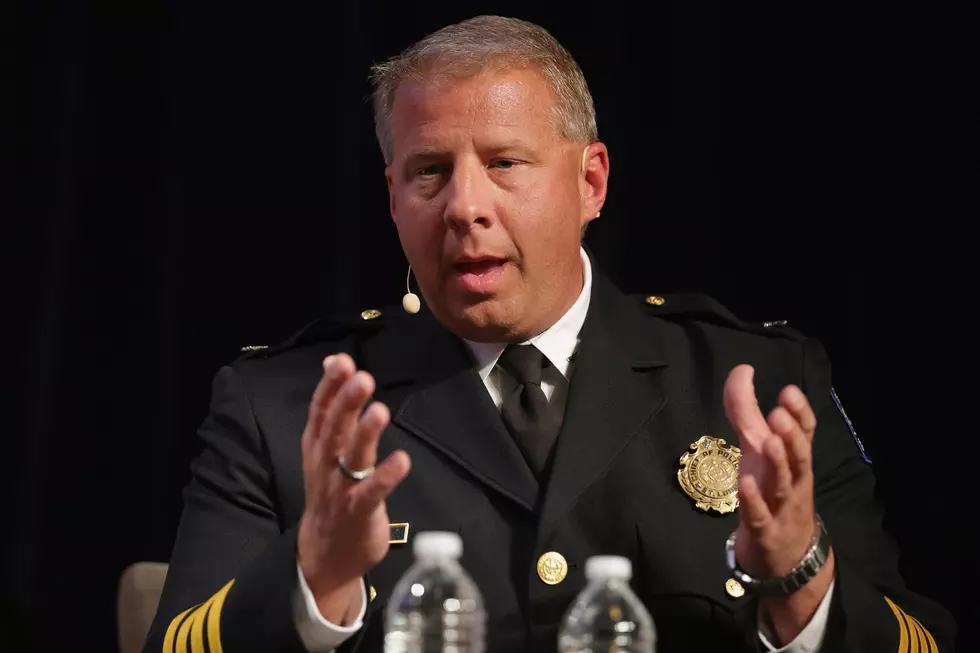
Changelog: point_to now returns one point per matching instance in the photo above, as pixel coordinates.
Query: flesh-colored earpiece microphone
(410, 302)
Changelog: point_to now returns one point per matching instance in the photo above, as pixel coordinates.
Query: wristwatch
(812, 562)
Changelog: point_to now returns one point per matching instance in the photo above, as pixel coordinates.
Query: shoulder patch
(850, 426)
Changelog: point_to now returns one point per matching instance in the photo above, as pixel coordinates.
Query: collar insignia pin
(398, 533)
(709, 474)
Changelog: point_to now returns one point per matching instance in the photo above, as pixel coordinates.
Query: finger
(336, 370)
(781, 478)
(793, 399)
(755, 513)
(343, 413)
(363, 452)
(742, 407)
(386, 477)
(797, 444)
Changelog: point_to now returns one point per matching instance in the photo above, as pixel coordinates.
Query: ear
(594, 180)
(391, 194)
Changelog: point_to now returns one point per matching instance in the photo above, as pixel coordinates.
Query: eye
(431, 170)
(503, 164)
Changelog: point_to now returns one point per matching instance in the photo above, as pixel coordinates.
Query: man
(533, 409)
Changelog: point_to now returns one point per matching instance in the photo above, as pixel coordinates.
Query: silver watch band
(808, 567)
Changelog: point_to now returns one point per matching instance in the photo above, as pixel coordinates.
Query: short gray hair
(482, 44)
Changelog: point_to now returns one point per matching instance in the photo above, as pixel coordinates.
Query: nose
(470, 201)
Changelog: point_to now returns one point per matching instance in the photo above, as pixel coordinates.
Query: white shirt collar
(558, 343)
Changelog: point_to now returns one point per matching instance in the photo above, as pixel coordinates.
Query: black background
(194, 177)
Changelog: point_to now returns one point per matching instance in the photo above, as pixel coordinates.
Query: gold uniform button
(656, 300)
(370, 314)
(734, 588)
(373, 593)
(552, 568)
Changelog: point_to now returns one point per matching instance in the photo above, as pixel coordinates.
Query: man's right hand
(344, 529)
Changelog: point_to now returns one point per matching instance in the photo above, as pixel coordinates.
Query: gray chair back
(140, 586)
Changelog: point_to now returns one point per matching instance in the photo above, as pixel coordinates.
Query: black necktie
(525, 411)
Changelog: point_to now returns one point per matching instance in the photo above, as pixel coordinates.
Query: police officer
(532, 408)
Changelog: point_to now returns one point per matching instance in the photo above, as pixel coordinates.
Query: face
(490, 201)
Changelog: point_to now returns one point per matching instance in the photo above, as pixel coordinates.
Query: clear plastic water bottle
(435, 607)
(606, 616)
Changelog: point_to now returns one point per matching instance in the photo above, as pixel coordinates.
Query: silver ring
(353, 474)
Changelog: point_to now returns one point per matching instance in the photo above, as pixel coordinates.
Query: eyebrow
(521, 149)
(425, 154)
(429, 153)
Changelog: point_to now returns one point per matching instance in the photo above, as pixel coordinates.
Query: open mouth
(479, 276)
(480, 268)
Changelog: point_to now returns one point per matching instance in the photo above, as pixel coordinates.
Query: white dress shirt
(558, 344)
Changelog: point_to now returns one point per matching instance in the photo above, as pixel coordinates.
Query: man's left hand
(776, 504)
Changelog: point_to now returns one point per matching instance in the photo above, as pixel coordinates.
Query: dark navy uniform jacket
(648, 382)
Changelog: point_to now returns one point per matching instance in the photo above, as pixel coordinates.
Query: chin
(483, 322)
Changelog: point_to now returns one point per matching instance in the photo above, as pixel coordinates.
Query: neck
(569, 296)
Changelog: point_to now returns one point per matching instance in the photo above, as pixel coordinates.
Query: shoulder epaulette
(779, 328)
(320, 330)
(696, 306)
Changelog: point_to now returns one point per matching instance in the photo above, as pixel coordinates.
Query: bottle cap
(436, 544)
(602, 567)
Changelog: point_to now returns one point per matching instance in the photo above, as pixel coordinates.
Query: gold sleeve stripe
(214, 619)
(168, 641)
(932, 642)
(921, 632)
(193, 629)
(903, 635)
(189, 625)
(183, 633)
(197, 630)
(918, 639)
(927, 640)
(913, 635)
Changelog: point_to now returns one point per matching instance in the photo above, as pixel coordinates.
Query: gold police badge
(709, 475)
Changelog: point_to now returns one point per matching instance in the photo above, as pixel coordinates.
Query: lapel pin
(398, 533)
(709, 474)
